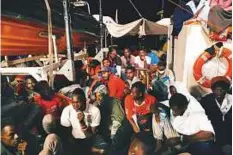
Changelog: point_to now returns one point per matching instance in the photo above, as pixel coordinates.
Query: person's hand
(89, 93)
(22, 146)
(173, 141)
(136, 129)
(80, 116)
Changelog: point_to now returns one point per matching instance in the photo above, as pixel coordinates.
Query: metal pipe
(88, 7)
(68, 29)
(101, 24)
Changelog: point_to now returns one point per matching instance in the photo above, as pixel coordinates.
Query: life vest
(203, 58)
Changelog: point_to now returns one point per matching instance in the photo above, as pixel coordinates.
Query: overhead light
(80, 3)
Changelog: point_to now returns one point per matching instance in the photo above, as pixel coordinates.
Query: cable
(140, 15)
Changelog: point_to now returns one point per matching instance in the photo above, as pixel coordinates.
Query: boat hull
(24, 37)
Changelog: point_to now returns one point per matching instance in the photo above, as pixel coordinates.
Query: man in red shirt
(138, 103)
(49, 102)
(115, 85)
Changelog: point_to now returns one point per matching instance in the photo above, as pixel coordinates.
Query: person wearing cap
(218, 107)
(114, 83)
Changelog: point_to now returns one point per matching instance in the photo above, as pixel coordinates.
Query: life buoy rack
(203, 58)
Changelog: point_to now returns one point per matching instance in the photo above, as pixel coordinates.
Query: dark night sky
(126, 12)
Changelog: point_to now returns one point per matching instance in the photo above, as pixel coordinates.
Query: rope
(140, 15)
(201, 19)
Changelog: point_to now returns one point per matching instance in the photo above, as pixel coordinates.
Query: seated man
(138, 103)
(83, 119)
(50, 102)
(162, 128)
(131, 77)
(115, 60)
(27, 92)
(106, 63)
(142, 60)
(164, 74)
(218, 107)
(127, 59)
(192, 123)
(10, 142)
(112, 113)
(115, 84)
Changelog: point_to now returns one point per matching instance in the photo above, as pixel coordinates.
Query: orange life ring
(202, 59)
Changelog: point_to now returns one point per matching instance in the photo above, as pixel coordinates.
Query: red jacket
(116, 87)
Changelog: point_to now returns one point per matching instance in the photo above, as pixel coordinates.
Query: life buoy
(203, 58)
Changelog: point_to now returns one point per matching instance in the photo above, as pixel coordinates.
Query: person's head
(94, 63)
(130, 72)
(126, 52)
(162, 67)
(29, 83)
(100, 92)
(142, 54)
(220, 85)
(138, 90)
(106, 62)
(178, 104)
(49, 124)
(172, 90)
(9, 137)
(105, 73)
(112, 53)
(78, 100)
(44, 90)
(142, 144)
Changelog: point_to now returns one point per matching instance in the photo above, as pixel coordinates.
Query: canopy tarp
(139, 27)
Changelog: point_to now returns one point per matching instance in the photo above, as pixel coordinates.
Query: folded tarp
(219, 19)
(139, 27)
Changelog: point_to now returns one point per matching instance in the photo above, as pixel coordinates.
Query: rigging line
(209, 23)
(135, 8)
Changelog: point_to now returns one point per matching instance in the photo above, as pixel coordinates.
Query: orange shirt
(116, 87)
(132, 108)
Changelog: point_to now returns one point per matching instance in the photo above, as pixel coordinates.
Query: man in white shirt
(130, 74)
(191, 122)
(164, 74)
(83, 119)
(142, 60)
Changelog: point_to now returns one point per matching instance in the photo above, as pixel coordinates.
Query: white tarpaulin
(139, 27)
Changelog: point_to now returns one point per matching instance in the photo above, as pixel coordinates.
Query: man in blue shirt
(153, 56)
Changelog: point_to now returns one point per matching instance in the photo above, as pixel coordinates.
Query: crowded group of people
(129, 104)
